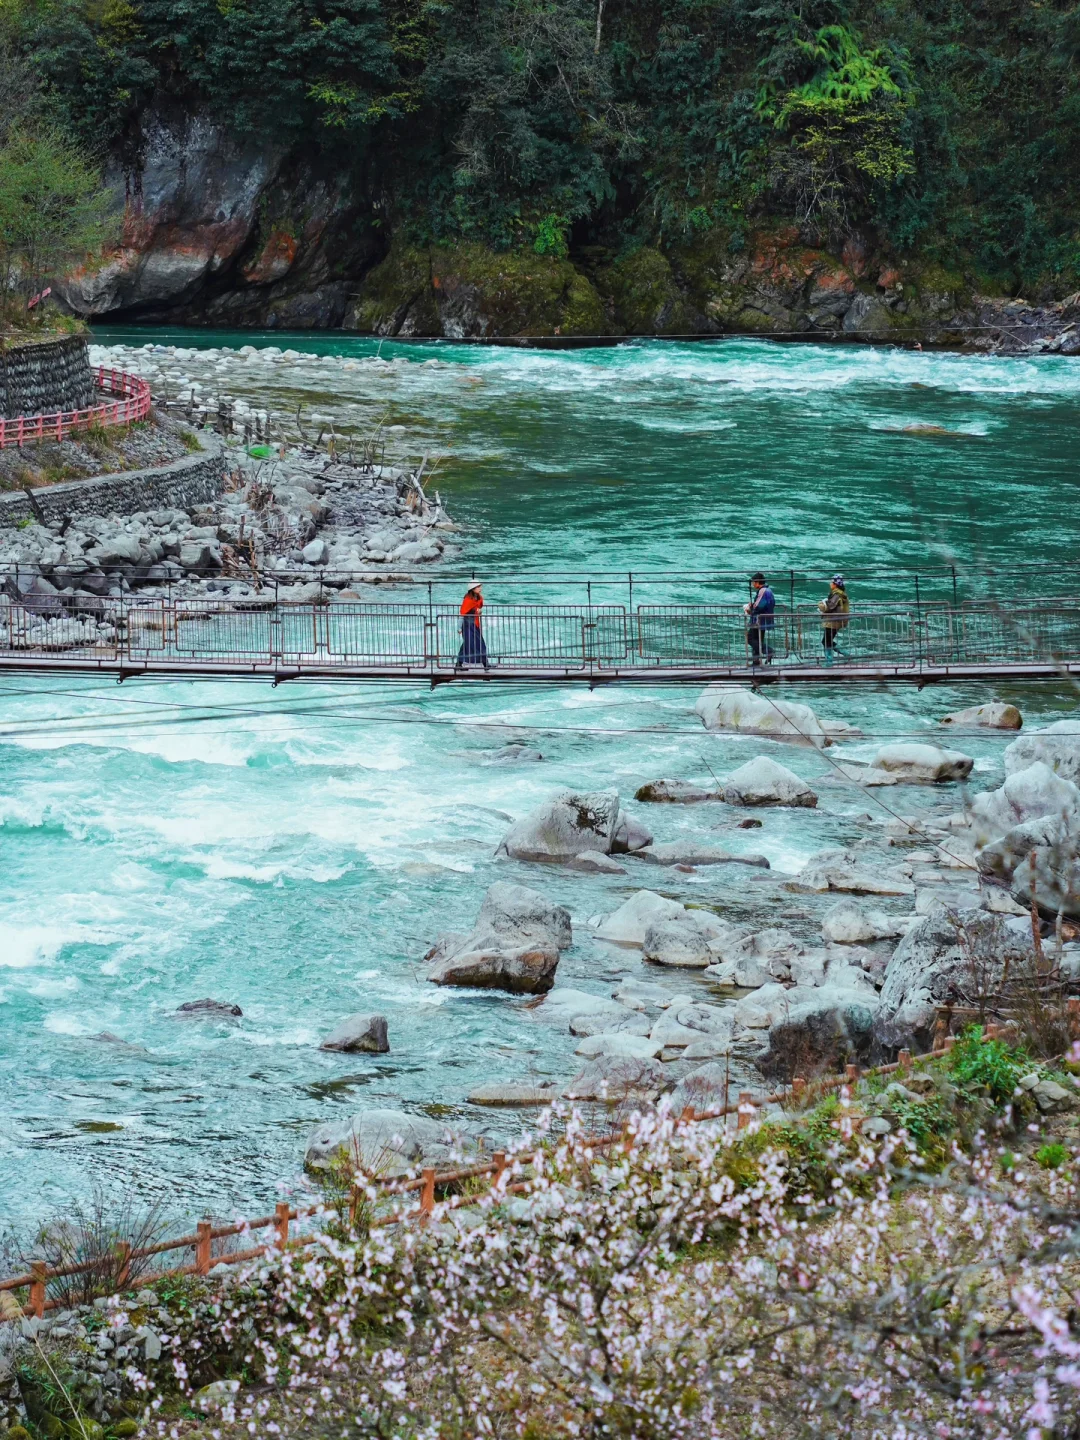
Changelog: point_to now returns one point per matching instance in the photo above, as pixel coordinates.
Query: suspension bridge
(597, 644)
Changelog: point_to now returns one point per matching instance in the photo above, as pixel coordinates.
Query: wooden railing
(133, 404)
(424, 1185)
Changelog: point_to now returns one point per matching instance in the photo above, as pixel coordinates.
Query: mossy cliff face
(771, 284)
(470, 291)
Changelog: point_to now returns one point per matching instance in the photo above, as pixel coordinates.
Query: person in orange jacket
(473, 646)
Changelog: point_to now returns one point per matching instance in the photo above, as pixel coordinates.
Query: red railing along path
(495, 1170)
(132, 403)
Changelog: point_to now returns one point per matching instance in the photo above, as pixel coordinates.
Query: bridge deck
(597, 644)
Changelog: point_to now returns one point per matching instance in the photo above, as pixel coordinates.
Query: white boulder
(628, 924)
(680, 941)
(921, 764)
(1028, 794)
(617, 1078)
(1056, 745)
(381, 1142)
(763, 782)
(564, 827)
(994, 716)
(850, 924)
(631, 1047)
(723, 707)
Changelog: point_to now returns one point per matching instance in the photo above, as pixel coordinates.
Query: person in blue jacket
(759, 620)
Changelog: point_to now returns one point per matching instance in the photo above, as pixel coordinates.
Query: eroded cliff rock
(224, 230)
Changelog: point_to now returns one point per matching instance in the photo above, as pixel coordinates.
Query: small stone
(359, 1032)
(876, 1125)
(675, 792)
(592, 862)
(1049, 1096)
(513, 1096)
(208, 1010)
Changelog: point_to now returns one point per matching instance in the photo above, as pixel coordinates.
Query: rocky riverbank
(303, 522)
(962, 903)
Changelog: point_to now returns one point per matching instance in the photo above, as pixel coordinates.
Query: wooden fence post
(282, 1215)
(851, 1074)
(203, 1247)
(905, 1059)
(123, 1263)
(500, 1168)
(949, 1042)
(39, 1273)
(798, 1089)
(427, 1194)
(1072, 1011)
(746, 1109)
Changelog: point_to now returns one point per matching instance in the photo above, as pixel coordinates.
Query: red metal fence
(133, 403)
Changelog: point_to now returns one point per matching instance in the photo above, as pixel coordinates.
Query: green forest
(946, 129)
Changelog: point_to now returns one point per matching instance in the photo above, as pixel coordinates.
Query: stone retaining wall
(41, 379)
(191, 481)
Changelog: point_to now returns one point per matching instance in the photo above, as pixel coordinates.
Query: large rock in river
(617, 1078)
(850, 924)
(515, 945)
(994, 716)
(517, 914)
(946, 957)
(825, 1031)
(570, 823)
(763, 782)
(628, 924)
(722, 707)
(684, 942)
(1028, 794)
(1056, 745)
(921, 764)
(528, 970)
(381, 1142)
(1039, 860)
(361, 1032)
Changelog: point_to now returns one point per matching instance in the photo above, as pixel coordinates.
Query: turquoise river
(297, 850)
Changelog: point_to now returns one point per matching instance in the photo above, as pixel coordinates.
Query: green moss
(645, 297)
(470, 289)
(396, 290)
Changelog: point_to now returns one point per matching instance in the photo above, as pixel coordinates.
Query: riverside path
(258, 636)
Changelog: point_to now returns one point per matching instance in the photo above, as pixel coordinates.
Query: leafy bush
(991, 1065)
(1051, 1157)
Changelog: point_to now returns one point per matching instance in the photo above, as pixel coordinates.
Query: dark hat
(758, 576)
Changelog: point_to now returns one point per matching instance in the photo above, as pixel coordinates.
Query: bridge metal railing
(409, 637)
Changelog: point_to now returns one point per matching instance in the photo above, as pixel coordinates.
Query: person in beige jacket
(835, 611)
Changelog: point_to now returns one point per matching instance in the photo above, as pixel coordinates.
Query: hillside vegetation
(945, 130)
